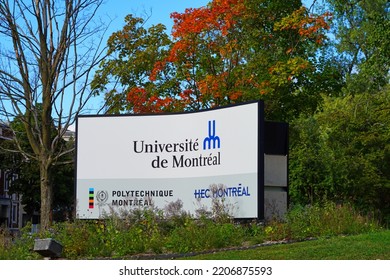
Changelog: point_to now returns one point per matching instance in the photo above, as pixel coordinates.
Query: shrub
(148, 231)
(17, 247)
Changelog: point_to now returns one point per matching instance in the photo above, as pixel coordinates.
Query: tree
(47, 58)
(131, 56)
(361, 31)
(228, 51)
(342, 153)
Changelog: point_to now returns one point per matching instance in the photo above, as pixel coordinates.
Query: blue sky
(159, 10)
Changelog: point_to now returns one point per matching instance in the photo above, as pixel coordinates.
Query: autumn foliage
(308, 26)
(230, 51)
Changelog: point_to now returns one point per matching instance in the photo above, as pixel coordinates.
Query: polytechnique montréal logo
(101, 197)
(91, 198)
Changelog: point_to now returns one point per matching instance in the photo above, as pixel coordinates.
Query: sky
(159, 10)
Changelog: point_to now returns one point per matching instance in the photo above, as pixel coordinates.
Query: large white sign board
(132, 161)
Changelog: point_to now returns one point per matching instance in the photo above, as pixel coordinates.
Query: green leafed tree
(343, 153)
(131, 55)
(361, 32)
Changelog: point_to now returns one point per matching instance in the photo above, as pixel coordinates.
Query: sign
(132, 161)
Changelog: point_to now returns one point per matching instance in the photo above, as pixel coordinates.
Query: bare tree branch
(52, 50)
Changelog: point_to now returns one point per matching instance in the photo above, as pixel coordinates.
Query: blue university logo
(212, 141)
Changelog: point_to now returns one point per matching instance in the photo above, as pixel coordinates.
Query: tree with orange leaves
(226, 52)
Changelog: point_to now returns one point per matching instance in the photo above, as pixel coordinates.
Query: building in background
(11, 209)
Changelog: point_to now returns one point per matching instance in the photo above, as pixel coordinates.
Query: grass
(371, 246)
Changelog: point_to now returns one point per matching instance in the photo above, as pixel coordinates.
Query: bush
(17, 247)
(148, 231)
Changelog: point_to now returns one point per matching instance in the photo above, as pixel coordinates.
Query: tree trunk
(46, 195)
